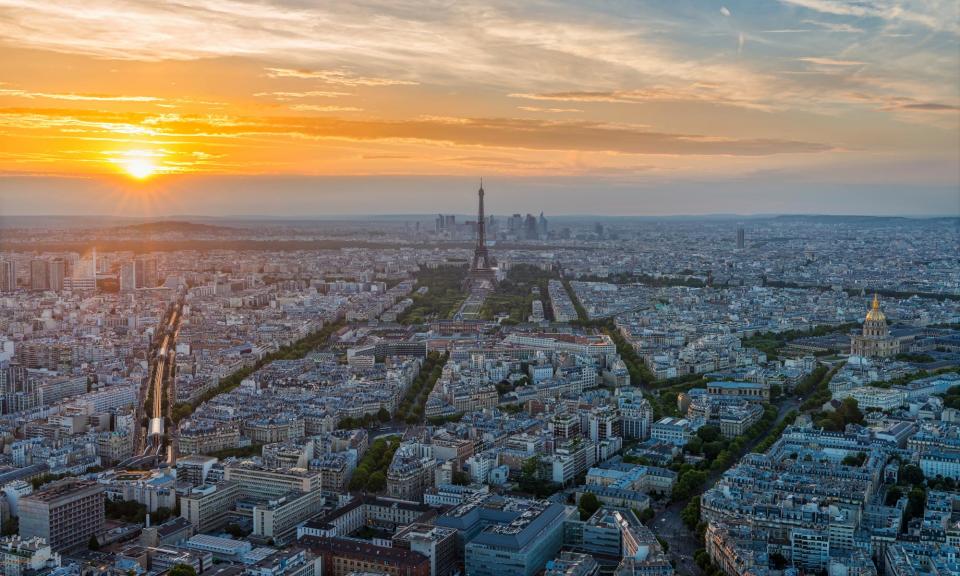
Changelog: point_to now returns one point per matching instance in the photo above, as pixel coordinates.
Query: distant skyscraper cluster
(140, 273)
(8, 276)
(527, 227)
(445, 224)
(71, 271)
(54, 274)
(516, 227)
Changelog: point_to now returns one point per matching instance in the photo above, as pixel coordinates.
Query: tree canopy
(589, 503)
(182, 570)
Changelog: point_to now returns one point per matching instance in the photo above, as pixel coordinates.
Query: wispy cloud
(830, 61)
(725, 11)
(911, 105)
(839, 27)
(488, 132)
(934, 15)
(11, 92)
(340, 77)
(549, 110)
(319, 108)
(930, 107)
(385, 157)
(283, 96)
(902, 103)
(698, 92)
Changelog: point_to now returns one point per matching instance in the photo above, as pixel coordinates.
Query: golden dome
(875, 315)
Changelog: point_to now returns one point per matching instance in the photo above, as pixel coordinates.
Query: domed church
(875, 342)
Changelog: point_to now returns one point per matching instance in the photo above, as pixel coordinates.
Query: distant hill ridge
(174, 226)
(854, 218)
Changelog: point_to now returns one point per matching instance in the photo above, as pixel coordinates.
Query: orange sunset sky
(299, 107)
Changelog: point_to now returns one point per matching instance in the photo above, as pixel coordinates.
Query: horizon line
(349, 215)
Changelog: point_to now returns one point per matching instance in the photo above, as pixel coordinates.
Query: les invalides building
(876, 341)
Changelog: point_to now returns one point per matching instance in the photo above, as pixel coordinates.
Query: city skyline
(284, 108)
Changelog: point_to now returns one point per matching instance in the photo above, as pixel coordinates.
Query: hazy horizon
(313, 197)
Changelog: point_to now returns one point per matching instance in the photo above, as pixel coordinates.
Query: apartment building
(260, 482)
(207, 505)
(65, 514)
(278, 519)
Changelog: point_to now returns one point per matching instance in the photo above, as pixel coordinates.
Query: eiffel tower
(481, 272)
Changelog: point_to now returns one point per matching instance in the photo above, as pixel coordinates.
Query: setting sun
(139, 166)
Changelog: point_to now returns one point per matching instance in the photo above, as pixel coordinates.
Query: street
(669, 527)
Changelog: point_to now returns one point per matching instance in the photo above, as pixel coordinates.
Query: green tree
(702, 558)
(647, 515)
(161, 515)
(690, 515)
(235, 530)
(359, 479)
(854, 459)
(182, 570)
(709, 433)
(126, 510)
(377, 482)
(893, 496)
(529, 473)
(383, 414)
(11, 527)
(850, 411)
(589, 503)
(180, 411)
(916, 502)
(688, 483)
(911, 474)
(93, 544)
(712, 449)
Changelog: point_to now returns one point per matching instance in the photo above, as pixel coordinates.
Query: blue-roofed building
(507, 535)
(618, 474)
(945, 463)
(676, 431)
(921, 559)
(8, 475)
(929, 386)
(616, 497)
(572, 564)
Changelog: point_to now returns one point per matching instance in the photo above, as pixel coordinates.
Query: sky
(300, 108)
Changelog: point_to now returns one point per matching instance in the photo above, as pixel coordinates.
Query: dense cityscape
(483, 395)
